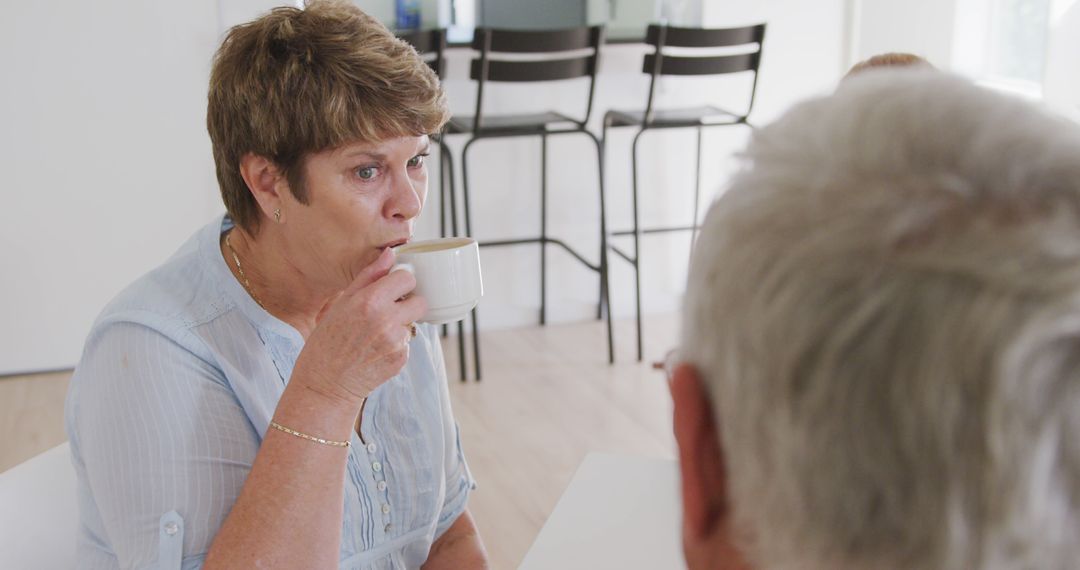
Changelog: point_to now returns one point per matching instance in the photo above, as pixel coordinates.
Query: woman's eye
(366, 172)
(416, 160)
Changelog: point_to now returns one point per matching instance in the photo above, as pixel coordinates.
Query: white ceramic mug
(447, 272)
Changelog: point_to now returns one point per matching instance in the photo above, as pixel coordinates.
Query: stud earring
(277, 215)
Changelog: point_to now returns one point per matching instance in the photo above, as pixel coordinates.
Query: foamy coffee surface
(433, 245)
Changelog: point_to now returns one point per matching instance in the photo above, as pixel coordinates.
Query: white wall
(233, 12)
(106, 162)
(804, 45)
(1061, 87)
(922, 27)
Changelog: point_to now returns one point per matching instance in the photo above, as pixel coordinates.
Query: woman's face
(362, 198)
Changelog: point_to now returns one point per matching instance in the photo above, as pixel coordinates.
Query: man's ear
(265, 180)
(704, 477)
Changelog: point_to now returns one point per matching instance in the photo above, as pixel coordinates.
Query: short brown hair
(890, 60)
(298, 81)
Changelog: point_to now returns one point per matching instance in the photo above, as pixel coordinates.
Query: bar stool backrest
(431, 45)
(659, 63)
(493, 63)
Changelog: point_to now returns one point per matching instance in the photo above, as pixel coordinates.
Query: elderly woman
(263, 399)
(880, 361)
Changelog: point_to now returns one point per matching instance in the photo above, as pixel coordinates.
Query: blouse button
(385, 509)
(171, 528)
(371, 447)
(376, 466)
(381, 485)
(388, 528)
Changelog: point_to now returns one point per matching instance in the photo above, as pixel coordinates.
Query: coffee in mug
(447, 272)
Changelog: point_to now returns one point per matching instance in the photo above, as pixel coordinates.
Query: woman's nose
(405, 198)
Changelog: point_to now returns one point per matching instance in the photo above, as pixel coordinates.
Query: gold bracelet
(280, 427)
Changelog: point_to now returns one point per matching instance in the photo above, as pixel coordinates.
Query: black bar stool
(553, 55)
(431, 45)
(659, 63)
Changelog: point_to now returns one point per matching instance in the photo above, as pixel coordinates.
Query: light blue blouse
(177, 383)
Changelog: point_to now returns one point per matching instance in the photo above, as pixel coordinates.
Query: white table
(39, 512)
(619, 512)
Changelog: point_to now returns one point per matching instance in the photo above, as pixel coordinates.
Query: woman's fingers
(369, 331)
(411, 309)
(373, 272)
(391, 287)
(376, 302)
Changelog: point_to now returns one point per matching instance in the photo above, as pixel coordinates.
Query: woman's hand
(362, 336)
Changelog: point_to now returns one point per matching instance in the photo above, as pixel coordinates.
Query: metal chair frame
(488, 67)
(658, 64)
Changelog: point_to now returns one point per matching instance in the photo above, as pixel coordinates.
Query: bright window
(1017, 41)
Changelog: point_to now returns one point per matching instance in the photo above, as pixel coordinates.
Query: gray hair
(884, 307)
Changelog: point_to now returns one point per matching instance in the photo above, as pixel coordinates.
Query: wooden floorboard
(31, 415)
(547, 398)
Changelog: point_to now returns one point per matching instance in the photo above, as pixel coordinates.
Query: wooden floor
(548, 397)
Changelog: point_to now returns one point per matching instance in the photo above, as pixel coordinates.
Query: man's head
(889, 60)
(882, 338)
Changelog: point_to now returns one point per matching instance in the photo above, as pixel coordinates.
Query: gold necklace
(240, 270)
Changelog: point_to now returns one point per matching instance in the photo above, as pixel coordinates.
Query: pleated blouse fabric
(176, 387)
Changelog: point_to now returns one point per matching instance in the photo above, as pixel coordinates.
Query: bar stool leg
(476, 344)
(442, 204)
(468, 232)
(604, 306)
(461, 350)
(447, 159)
(442, 193)
(451, 195)
(543, 230)
(605, 283)
(603, 232)
(637, 240)
(697, 195)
